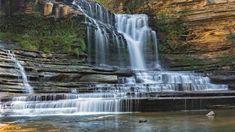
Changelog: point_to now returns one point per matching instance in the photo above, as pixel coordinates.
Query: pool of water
(132, 122)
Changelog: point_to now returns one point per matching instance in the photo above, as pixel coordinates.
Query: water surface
(132, 122)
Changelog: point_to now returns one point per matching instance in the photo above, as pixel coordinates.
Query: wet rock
(60, 77)
(223, 78)
(231, 86)
(29, 54)
(211, 114)
(143, 121)
(104, 69)
(99, 78)
(138, 80)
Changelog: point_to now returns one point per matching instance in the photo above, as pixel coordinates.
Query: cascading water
(141, 42)
(138, 35)
(21, 72)
(101, 35)
(116, 40)
(66, 104)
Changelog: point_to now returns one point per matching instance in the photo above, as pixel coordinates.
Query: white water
(101, 33)
(21, 72)
(70, 104)
(138, 34)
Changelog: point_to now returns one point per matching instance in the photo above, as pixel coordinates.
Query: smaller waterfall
(66, 104)
(139, 37)
(21, 72)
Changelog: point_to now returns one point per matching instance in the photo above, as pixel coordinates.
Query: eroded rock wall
(52, 73)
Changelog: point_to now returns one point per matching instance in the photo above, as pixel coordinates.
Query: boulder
(211, 113)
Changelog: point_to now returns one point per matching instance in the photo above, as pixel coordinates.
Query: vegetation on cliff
(171, 31)
(42, 26)
(231, 38)
(64, 35)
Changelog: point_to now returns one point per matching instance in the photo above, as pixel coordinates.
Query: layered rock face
(210, 21)
(52, 73)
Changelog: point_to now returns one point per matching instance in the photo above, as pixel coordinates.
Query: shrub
(43, 34)
(171, 30)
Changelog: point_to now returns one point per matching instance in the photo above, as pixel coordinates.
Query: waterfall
(102, 35)
(66, 104)
(119, 40)
(142, 47)
(21, 72)
(138, 34)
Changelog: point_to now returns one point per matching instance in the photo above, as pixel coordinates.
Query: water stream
(21, 72)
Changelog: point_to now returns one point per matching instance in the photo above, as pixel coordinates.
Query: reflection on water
(135, 122)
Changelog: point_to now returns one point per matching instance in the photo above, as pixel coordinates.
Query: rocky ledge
(53, 73)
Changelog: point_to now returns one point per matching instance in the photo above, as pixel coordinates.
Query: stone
(210, 114)
(29, 54)
(48, 8)
(99, 78)
(65, 10)
(216, 1)
(143, 121)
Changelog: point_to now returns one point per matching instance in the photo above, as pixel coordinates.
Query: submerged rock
(143, 121)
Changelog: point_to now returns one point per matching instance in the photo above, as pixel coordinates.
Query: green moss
(44, 34)
(231, 37)
(8, 36)
(101, 1)
(226, 60)
(183, 59)
(172, 31)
